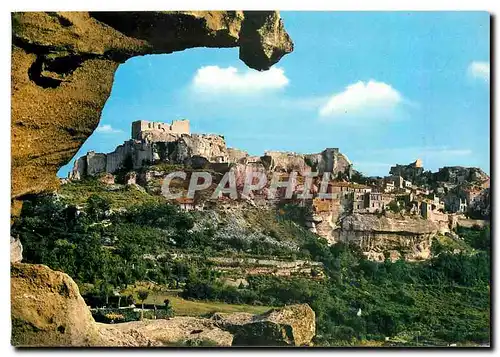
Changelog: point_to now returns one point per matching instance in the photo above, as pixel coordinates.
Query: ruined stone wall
(469, 223)
(156, 131)
(79, 168)
(180, 127)
(236, 155)
(140, 154)
(116, 159)
(96, 163)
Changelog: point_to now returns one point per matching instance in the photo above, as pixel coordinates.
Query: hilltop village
(408, 203)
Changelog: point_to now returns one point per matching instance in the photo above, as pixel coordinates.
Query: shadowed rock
(293, 325)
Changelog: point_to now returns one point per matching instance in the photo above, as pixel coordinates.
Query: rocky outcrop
(211, 147)
(289, 326)
(481, 206)
(460, 174)
(63, 65)
(377, 236)
(16, 250)
(292, 325)
(413, 172)
(182, 331)
(48, 310)
(329, 160)
(133, 154)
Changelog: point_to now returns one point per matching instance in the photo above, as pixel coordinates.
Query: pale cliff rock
(63, 65)
(237, 155)
(408, 237)
(16, 250)
(382, 224)
(211, 147)
(329, 160)
(153, 333)
(48, 310)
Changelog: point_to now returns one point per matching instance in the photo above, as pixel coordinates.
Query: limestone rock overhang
(63, 66)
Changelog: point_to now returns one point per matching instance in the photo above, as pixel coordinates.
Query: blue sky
(385, 88)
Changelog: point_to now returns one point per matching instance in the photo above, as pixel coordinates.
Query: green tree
(96, 207)
(142, 295)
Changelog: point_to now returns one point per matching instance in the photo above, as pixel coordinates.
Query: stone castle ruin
(155, 131)
(155, 142)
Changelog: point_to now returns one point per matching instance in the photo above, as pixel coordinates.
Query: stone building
(156, 131)
(374, 202)
(457, 204)
(389, 186)
(159, 142)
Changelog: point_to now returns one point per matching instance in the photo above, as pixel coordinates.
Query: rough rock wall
(329, 160)
(285, 162)
(48, 311)
(411, 237)
(63, 65)
(236, 155)
(211, 147)
(293, 325)
(460, 174)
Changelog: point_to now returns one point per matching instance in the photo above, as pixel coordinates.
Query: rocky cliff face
(63, 65)
(329, 160)
(481, 206)
(409, 238)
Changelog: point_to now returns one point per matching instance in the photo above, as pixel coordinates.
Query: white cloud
(362, 98)
(213, 79)
(480, 70)
(107, 129)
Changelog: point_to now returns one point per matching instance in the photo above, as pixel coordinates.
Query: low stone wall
(469, 223)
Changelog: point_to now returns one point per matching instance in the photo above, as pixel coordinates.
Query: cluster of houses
(376, 197)
(391, 191)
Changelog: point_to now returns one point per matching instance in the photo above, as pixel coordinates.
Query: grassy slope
(183, 307)
(78, 192)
